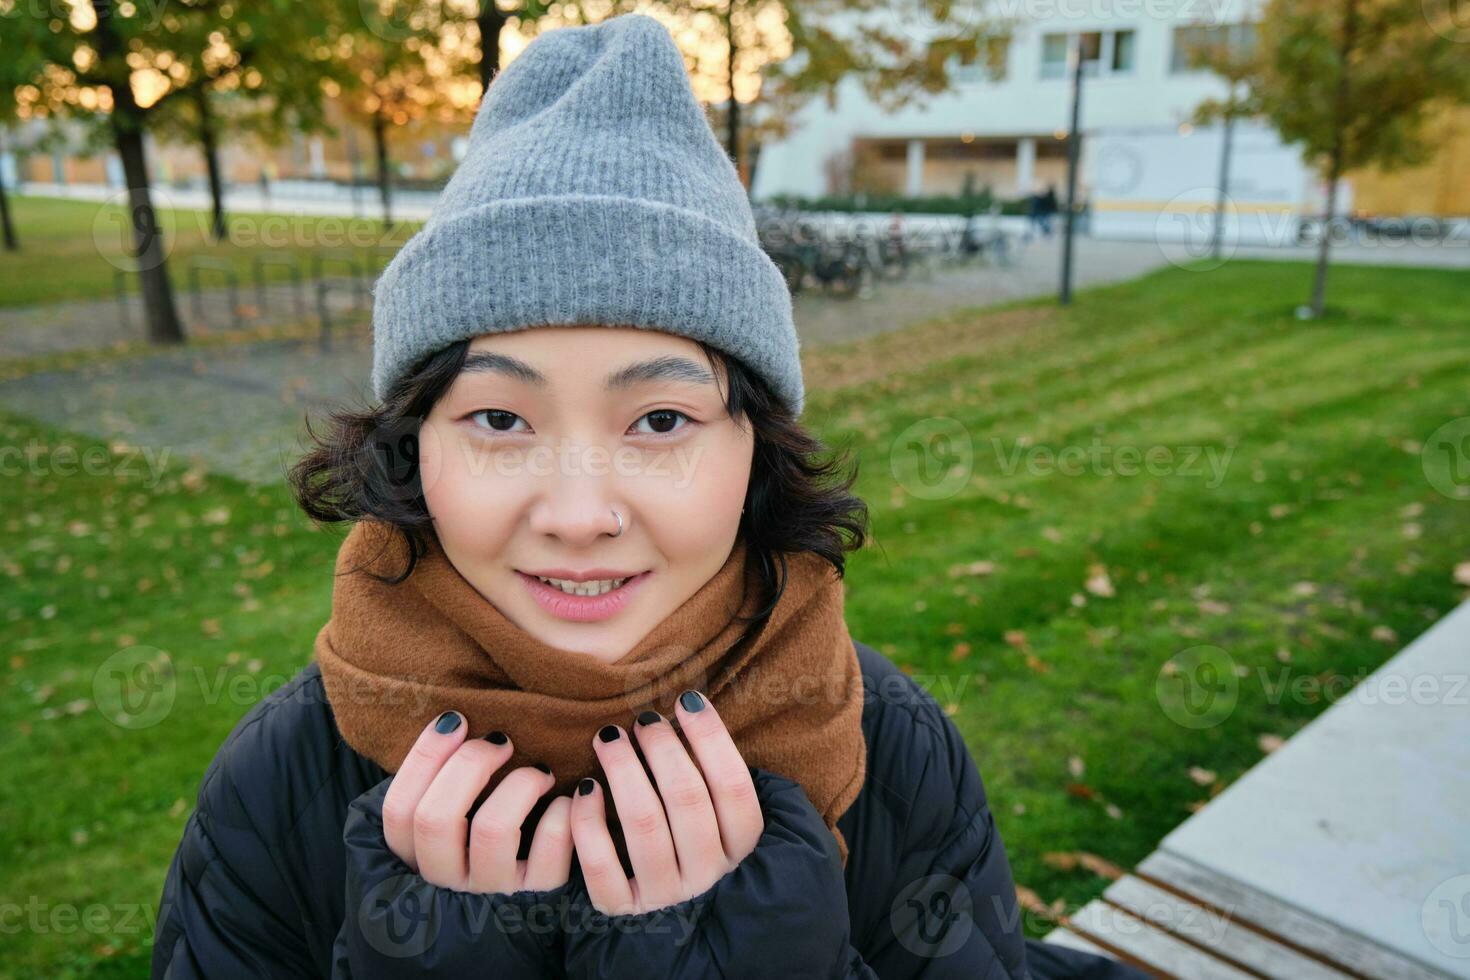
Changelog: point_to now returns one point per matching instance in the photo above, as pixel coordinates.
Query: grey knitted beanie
(593, 192)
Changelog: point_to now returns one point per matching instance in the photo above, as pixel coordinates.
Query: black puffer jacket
(283, 872)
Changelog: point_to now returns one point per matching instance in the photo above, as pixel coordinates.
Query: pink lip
(578, 608)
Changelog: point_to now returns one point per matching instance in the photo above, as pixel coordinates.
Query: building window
(1054, 56)
(1103, 53)
(1193, 41)
(1123, 43)
(987, 65)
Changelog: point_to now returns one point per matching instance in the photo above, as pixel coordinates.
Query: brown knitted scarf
(394, 657)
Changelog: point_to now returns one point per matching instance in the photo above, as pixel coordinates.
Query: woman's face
(543, 435)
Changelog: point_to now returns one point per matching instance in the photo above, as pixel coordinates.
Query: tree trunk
(6, 226)
(148, 252)
(491, 20)
(380, 137)
(1337, 159)
(1319, 281)
(732, 117)
(210, 146)
(127, 128)
(1222, 199)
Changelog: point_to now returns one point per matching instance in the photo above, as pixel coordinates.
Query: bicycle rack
(262, 295)
(323, 314)
(349, 259)
(203, 263)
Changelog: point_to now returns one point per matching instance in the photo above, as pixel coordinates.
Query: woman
(586, 705)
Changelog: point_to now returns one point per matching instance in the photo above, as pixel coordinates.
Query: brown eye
(496, 419)
(664, 421)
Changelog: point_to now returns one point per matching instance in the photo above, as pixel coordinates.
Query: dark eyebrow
(666, 368)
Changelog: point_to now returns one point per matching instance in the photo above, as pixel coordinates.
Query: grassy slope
(1324, 487)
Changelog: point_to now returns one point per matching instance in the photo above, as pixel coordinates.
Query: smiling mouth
(595, 587)
(591, 601)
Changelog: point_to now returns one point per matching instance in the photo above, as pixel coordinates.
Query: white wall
(1022, 103)
(1159, 184)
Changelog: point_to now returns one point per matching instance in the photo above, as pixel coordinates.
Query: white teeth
(584, 588)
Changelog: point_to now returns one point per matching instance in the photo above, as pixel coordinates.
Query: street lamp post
(1074, 137)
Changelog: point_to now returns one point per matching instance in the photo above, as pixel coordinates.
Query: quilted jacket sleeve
(780, 911)
(400, 925)
(950, 910)
(227, 910)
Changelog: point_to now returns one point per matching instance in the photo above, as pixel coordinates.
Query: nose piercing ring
(620, 524)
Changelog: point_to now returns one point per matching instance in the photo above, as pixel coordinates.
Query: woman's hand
(713, 815)
(424, 812)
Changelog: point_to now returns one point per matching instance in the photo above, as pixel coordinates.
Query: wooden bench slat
(1353, 952)
(1218, 930)
(1124, 931)
(1061, 936)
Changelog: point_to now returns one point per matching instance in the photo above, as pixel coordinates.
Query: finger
(725, 773)
(641, 814)
(440, 824)
(550, 862)
(495, 833)
(687, 804)
(436, 743)
(607, 886)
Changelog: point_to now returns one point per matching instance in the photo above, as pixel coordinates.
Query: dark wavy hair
(365, 466)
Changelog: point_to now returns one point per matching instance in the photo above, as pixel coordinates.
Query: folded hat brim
(584, 259)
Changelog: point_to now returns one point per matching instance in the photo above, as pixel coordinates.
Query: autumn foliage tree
(256, 69)
(126, 66)
(17, 66)
(1354, 82)
(398, 63)
(102, 61)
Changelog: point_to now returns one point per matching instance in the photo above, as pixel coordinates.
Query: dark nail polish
(496, 737)
(650, 718)
(692, 701)
(586, 786)
(543, 767)
(609, 733)
(447, 722)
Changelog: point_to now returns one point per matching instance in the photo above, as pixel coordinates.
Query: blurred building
(1144, 165)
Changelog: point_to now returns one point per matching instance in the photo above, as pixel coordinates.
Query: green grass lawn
(71, 249)
(1315, 549)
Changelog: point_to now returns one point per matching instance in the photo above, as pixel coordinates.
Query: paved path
(1034, 272)
(1449, 255)
(239, 408)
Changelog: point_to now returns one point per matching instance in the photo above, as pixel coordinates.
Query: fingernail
(650, 718)
(692, 701)
(585, 787)
(609, 733)
(497, 737)
(447, 722)
(543, 767)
